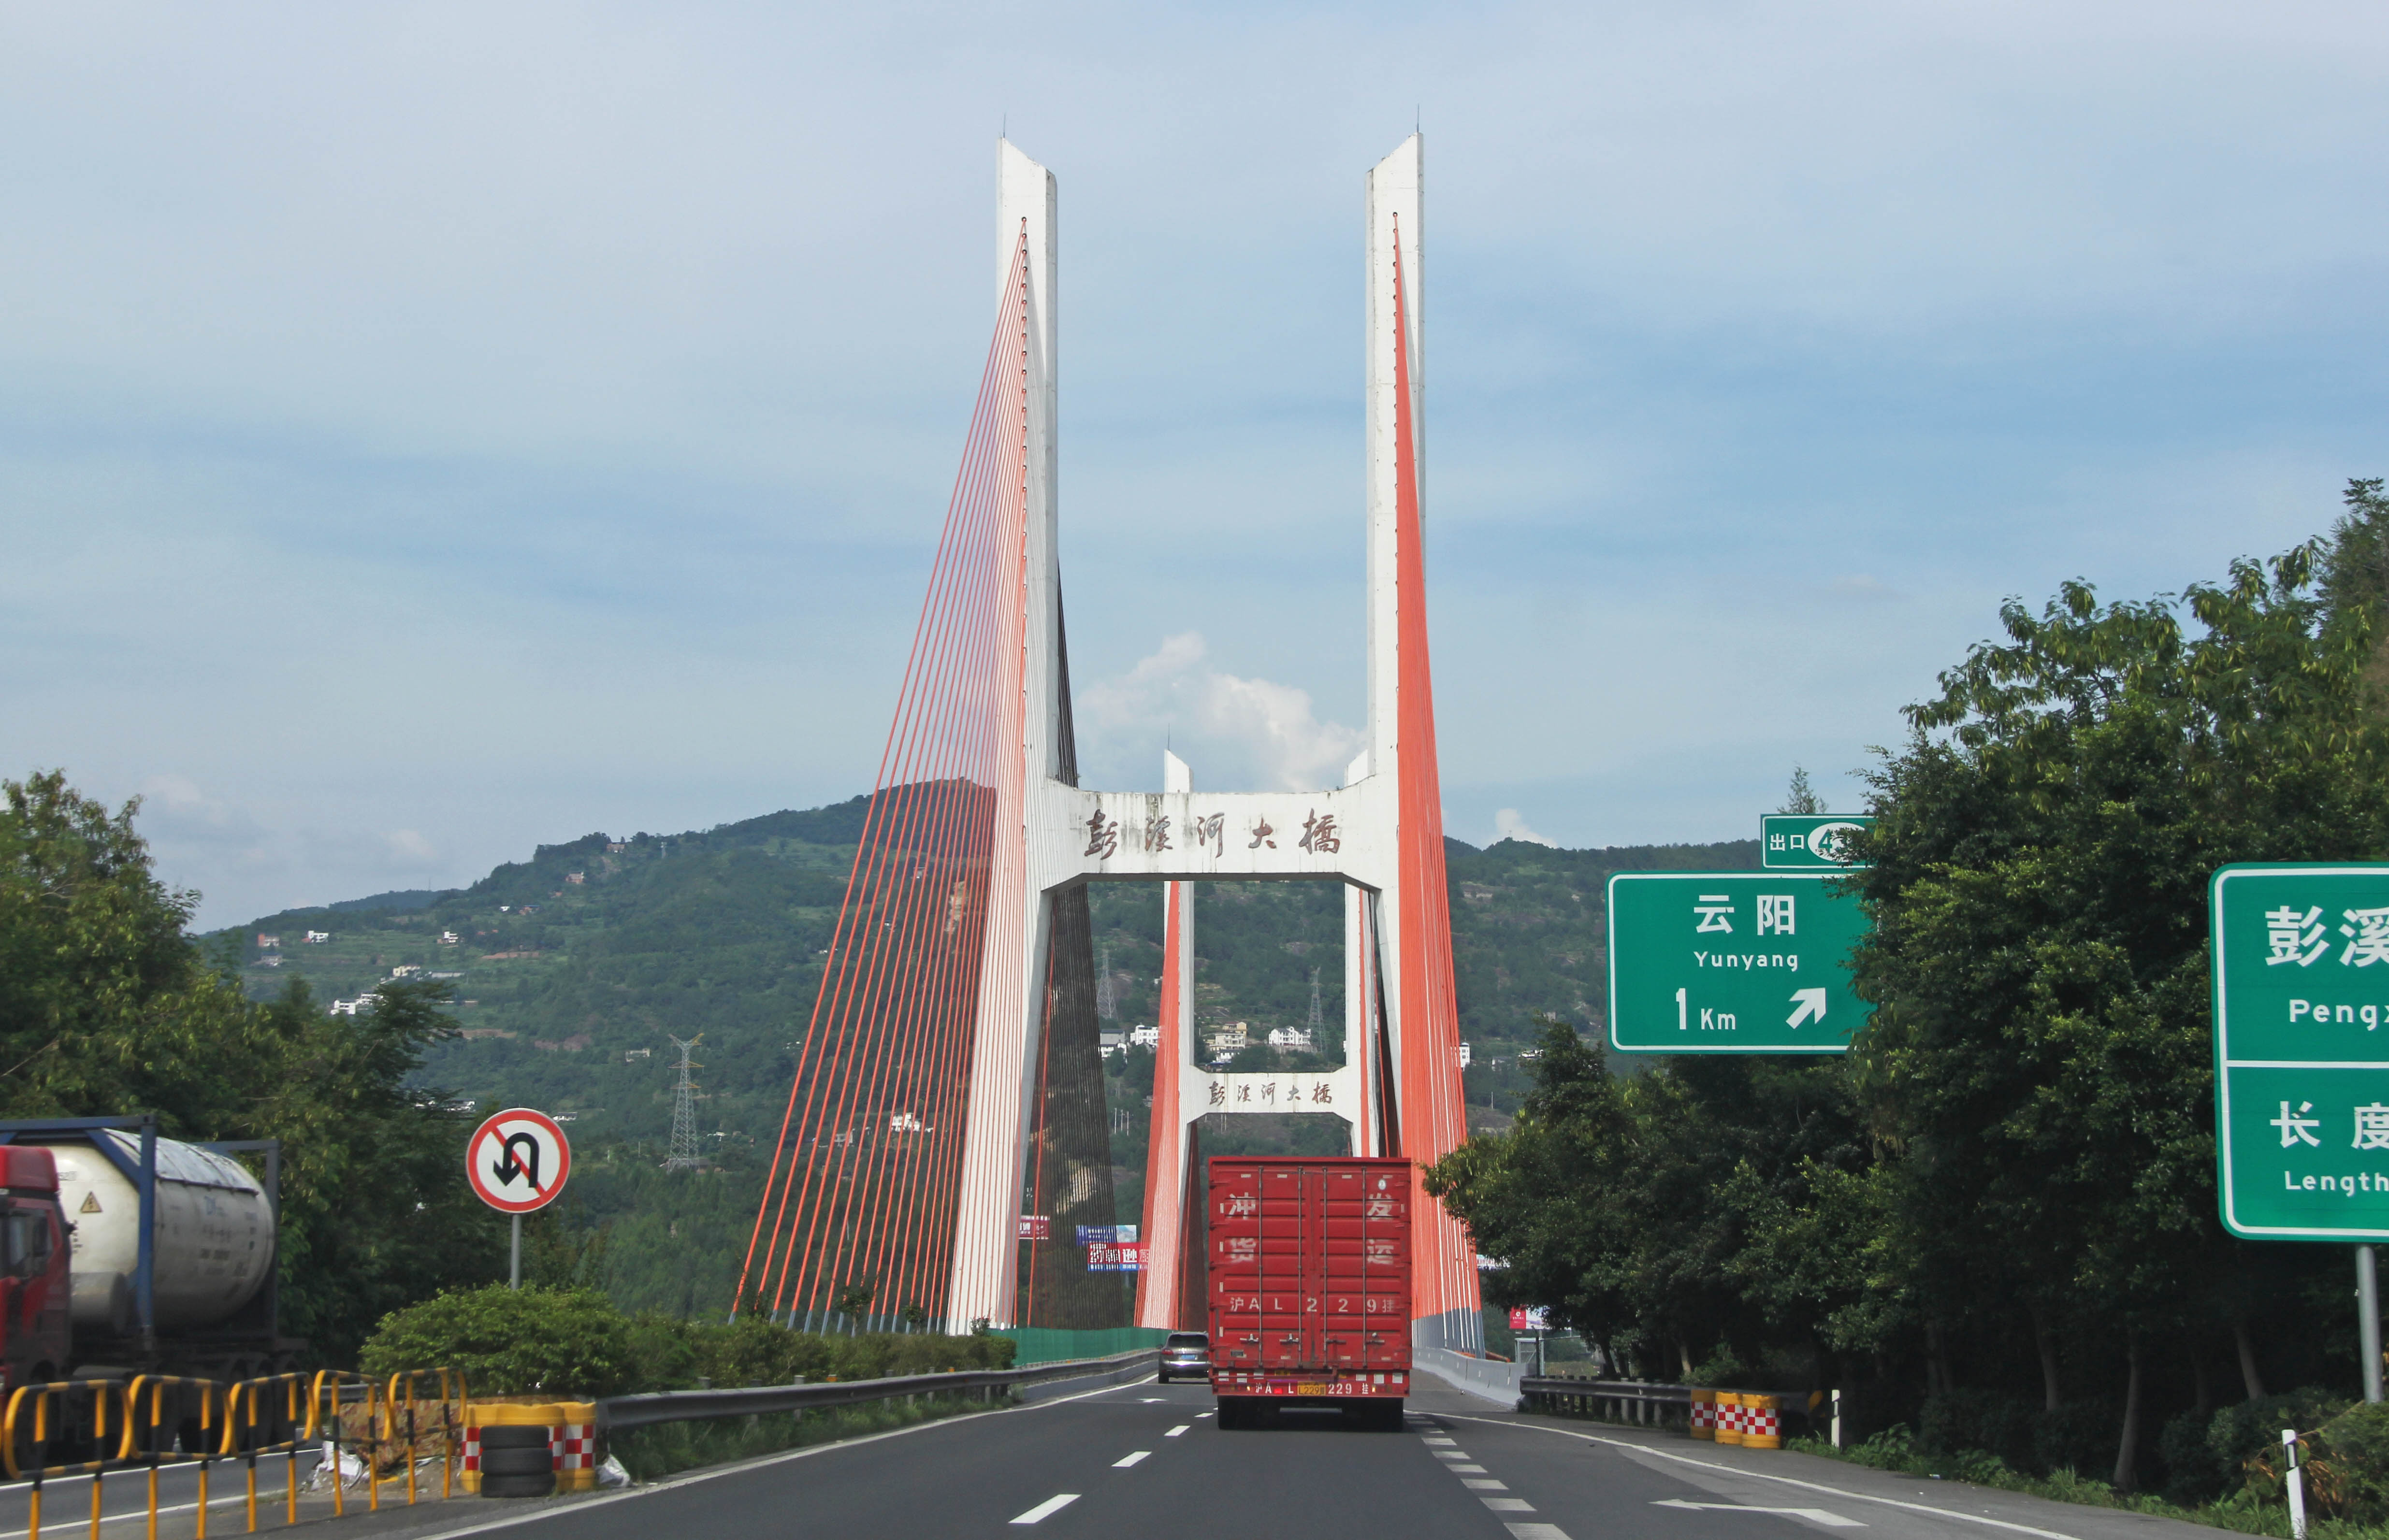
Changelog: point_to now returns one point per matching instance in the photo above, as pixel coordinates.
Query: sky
(427, 431)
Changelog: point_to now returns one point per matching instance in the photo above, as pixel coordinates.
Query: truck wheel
(540, 1485)
(516, 1462)
(515, 1435)
(1386, 1416)
(1232, 1414)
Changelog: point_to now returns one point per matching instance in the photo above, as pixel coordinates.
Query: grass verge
(668, 1448)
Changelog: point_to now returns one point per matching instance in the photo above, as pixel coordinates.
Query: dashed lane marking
(1467, 1470)
(1814, 1515)
(1450, 1453)
(1047, 1508)
(1536, 1531)
(1508, 1505)
(1153, 1400)
(1439, 1441)
(1179, 1429)
(1764, 1476)
(1486, 1484)
(1124, 1464)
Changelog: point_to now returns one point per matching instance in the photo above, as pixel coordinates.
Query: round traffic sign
(518, 1160)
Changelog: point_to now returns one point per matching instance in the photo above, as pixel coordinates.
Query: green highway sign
(1731, 962)
(2301, 960)
(1806, 842)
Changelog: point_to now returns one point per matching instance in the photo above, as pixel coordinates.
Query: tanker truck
(125, 1253)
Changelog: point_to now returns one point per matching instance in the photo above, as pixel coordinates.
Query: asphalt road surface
(1145, 1462)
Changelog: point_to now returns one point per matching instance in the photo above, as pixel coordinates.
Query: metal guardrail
(1628, 1400)
(620, 1412)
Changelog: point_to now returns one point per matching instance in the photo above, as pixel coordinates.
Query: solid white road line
(1124, 1464)
(1815, 1515)
(1179, 1429)
(1764, 1476)
(1050, 1506)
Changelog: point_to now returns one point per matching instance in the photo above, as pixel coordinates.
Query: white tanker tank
(213, 1247)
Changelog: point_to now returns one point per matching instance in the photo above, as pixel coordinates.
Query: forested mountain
(573, 970)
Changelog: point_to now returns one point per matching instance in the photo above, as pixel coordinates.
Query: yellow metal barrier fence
(251, 1409)
(102, 1393)
(159, 1389)
(133, 1425)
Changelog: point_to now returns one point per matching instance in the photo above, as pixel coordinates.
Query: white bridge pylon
(1399, 1087)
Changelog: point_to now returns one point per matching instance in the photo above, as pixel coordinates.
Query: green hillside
(573, 970)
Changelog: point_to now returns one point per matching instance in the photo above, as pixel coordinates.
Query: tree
(107, 1009)
(2039, 1051)
(1800, 799)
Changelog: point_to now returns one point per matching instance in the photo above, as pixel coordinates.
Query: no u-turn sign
(518, 1160)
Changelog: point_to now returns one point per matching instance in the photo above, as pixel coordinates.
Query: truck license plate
(1312, 1390)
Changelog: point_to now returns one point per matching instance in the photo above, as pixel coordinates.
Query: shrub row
(574, 1342)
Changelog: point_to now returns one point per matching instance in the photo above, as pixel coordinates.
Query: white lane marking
(1758, 1475)
(1508, 1505)
(1467, 1470)
(1450, 1453)
(124, 1518)
(1051, 1506)
(1179, 1429)
(1152, 1400)
(1815, 1515)
(1203, 1414)
(715, 1472)
(1124, 1464)
(1536, 1531)
(1439, 1441)
(1486, 1485)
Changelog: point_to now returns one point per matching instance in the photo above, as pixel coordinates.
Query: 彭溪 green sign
(1807, 842)
(2301, 1062)
(1731, 963)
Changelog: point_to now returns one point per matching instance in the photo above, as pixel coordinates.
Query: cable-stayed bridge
(949, 1084)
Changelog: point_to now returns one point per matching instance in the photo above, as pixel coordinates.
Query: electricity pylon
(1106, 1000)
(683, 1133)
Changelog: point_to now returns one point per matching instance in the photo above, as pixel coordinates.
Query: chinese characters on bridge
(1320, 835)
(1272, 1094)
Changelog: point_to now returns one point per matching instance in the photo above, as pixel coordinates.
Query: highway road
(1145, 1462)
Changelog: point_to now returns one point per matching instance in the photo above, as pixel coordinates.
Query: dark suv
(1186, 1356)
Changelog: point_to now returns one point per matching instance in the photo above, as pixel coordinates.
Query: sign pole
(514, 1273)
(2367, 1322)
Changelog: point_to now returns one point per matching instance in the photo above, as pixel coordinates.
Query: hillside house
(406, 970)
(1289, 1037)
(449, 938)
(316, 938)
(1109, 1043)
(1145, 1037)
(615, 847)
(576, 878)
(350, 1007)
(1230, 1039)
(264, 940)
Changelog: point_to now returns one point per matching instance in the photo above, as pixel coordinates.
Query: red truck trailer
(1309, 1272)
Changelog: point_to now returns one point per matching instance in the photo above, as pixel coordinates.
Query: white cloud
(1508, 825)
(409, 848)
(1233, 731)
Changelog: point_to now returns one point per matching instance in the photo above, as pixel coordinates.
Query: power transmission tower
(1106, 1001)
(1317, 1023)
(683, 1133)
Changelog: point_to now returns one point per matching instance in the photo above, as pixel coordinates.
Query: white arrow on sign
(1814, 1515)
(1807, 1004)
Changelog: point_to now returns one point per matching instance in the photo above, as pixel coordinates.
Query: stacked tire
(516, 1461)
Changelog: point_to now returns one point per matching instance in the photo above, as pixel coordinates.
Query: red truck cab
(1308, 1265)
(34, 1258)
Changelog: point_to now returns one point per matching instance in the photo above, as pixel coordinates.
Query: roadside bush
(568, 1343)
(574, 1342)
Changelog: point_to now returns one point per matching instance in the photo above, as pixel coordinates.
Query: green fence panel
(1045, 1344)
